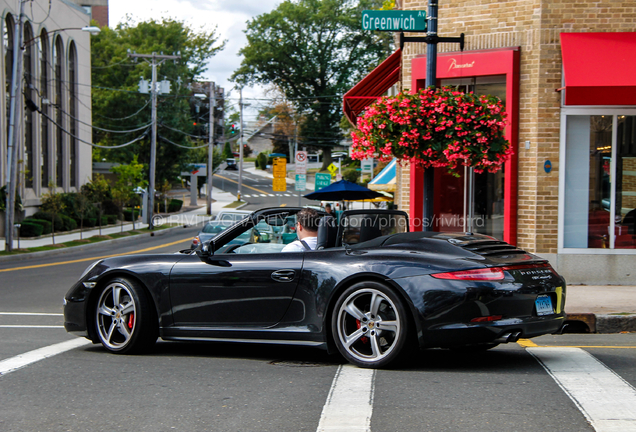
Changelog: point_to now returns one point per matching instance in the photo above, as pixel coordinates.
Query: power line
(145, 134)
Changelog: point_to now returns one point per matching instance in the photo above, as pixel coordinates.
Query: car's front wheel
(369, 325)
(123, 318)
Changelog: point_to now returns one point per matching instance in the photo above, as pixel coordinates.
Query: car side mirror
(205, 249)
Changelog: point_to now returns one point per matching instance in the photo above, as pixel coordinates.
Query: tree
(81, 205)
(118, 104)
(97, 190)
(52, 203)
(314, 51)
(129, 177)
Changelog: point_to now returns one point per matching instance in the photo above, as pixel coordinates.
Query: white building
(57, 78)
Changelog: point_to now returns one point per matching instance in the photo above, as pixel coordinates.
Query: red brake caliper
(131, 320)
(364, 339)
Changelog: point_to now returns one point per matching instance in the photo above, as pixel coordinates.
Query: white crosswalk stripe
(606, 399)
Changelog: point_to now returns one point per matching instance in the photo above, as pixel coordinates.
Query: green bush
(30, 229)
(42, 215)
(109, 207)
(68, 223)
(261, 161)
(128, 214)
(174, 205)
(46, 224)
(112, 218)
(350, 174)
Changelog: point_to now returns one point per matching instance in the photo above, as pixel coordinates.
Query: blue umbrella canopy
(343, 190)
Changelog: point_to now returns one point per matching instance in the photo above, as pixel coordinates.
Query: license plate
(544, 305)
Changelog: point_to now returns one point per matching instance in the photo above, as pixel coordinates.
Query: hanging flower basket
(435, 128)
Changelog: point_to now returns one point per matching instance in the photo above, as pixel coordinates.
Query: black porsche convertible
(371, 290)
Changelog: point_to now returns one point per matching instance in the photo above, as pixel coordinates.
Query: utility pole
(431, 39)
(12, 142)
(240, 181)
(155, 60)
(211, 145)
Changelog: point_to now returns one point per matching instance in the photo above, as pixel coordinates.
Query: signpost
(394, 20)
(280, 175)
(301, 172)
(301, 182)
(322, 180)
(196, 170)
(332, 169)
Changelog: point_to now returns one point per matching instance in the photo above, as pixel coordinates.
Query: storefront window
(625, 209)
(600, 181)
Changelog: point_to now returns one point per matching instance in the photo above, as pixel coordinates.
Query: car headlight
(89, 268)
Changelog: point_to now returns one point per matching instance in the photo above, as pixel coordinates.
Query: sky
(228, 16)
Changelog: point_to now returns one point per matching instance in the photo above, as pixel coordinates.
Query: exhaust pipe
(508, 337)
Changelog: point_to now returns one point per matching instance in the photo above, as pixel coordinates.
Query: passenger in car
(307, 230)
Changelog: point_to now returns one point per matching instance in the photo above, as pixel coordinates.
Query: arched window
(72, 107)
(45, 161)
(28, 114)
(7, 40)
(58, 61)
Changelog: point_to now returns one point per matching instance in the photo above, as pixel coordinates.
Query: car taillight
(196, 241)
(483, 274)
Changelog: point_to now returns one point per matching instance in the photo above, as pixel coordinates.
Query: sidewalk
(190, 216)
(604, 309)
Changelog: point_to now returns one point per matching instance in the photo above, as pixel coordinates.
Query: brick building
(565, 71)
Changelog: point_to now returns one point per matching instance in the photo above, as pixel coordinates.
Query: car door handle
(284, 275)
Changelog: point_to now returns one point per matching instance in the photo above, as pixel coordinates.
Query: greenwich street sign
(394, 20)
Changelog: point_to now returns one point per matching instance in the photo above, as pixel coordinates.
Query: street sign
(197, 169)
(280, 173)
(301, 162)
(301, 182)
(280, 168)
(322, 180)
(280, 185)
(394, 20)
(367, 165)
(332, 169)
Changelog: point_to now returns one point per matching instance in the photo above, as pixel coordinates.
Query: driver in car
(307, 230)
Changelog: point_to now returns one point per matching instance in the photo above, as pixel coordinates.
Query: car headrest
(327, 232)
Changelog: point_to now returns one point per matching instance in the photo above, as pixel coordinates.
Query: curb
(62, 251)
(603, 323)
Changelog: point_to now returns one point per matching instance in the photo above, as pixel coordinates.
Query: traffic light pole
(155, 60)
(211, 146)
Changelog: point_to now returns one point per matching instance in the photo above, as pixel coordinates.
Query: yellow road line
(95, 258)
(526, 343)
(584, 346)
(244, 185)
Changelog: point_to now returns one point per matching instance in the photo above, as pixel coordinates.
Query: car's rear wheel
(123, 318)
(369, 325)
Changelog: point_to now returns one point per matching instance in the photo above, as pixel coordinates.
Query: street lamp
(12, 142)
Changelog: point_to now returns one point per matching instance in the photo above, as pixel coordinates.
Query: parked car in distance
(230, 164)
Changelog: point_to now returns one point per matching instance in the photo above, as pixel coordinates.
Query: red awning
(598, 68)
(372, 86)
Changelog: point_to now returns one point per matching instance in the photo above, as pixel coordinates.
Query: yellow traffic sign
(332, 168)
(280, 185)
(280, 168)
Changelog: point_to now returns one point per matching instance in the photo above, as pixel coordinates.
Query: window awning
(372, 86)
(385, 180)
(598, 68)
